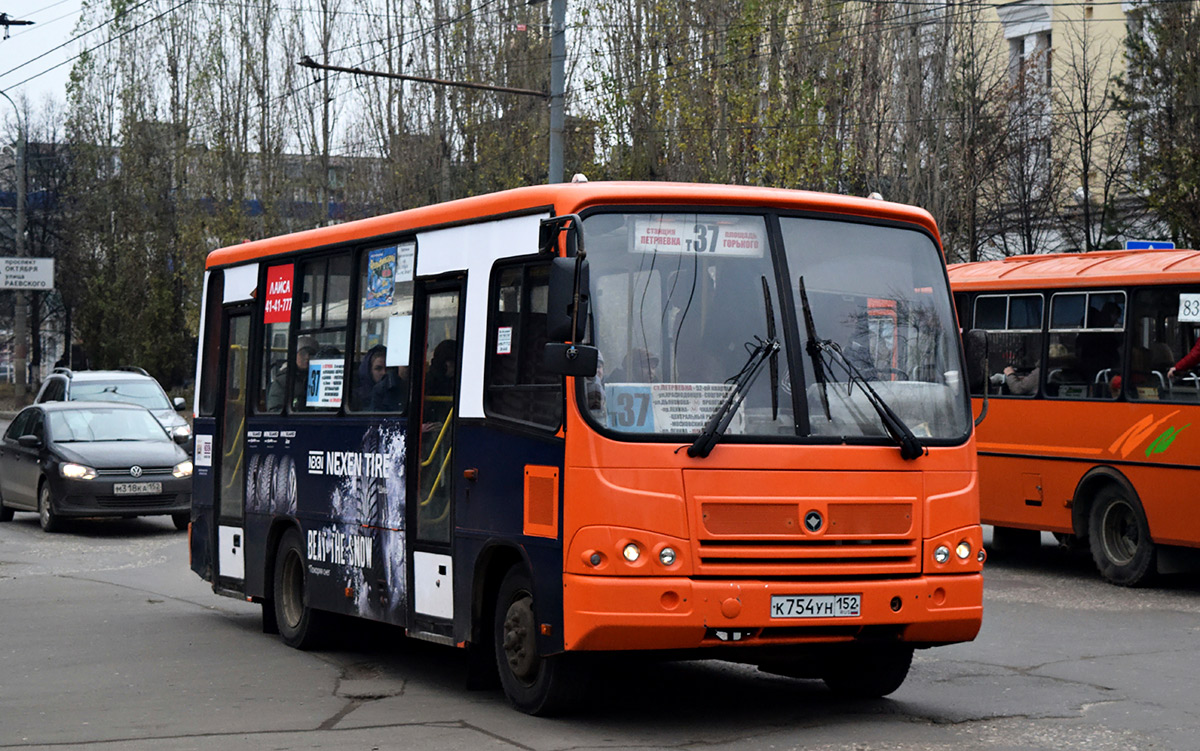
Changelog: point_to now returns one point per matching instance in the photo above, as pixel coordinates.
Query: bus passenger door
(431, 477)
(231, 459)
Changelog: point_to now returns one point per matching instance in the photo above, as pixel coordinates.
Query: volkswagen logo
(136, 471)
(813, 521)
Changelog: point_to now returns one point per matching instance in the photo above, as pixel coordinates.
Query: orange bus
(1087, 429)
(568, 420)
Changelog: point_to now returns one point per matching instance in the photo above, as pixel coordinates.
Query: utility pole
(20, 320)
(558, 85)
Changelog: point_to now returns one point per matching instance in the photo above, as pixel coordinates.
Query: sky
(54, 25)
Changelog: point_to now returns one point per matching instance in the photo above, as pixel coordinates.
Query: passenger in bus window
(640, 366)
(1021, 385)
(306, 347)
(440, 380)
(1189, 361)
(381, 388)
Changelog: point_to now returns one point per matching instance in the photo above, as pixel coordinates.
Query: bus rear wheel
(534, 684)
(300, 626)
(1120, 537)
(869, 672)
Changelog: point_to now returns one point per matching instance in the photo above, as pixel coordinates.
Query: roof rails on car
(133, 369)
(65, 371)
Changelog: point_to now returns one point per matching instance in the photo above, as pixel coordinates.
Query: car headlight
(181, 430)
(76, 471)
(183, 469)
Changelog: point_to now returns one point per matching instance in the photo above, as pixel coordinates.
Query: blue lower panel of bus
(490, 515)
(342, 484)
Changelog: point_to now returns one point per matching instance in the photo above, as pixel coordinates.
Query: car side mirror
(30, 441)
(180, 438)
(179, 403)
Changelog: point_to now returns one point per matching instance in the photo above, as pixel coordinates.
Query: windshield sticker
(504, 340)
(406, 262)
(666, 407)
(324, 386)
(745, 238)
(381, 278)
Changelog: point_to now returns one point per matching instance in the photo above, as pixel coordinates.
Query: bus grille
(804, 558)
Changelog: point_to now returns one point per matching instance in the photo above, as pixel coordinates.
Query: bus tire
(300, 626)
(535, 684)
(868, 672)
(1120, 537)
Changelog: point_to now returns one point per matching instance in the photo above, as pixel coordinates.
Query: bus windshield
(681, 302)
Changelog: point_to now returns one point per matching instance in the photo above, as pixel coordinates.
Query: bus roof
(1099, 268)
(567, 198)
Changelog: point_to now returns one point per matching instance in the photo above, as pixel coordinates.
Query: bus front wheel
(300, 626)
(534, 684)
(869, 672)
(1120, 537)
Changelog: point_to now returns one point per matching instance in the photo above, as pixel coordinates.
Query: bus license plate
(137, 488)
(816, 606)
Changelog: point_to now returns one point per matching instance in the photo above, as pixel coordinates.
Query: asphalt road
(108, 641)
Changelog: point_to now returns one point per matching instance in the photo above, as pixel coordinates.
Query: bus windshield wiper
(910, 446)
(719, 422)
(814, 350)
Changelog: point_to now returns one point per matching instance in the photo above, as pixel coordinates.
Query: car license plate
(137, 488)
(816, 606)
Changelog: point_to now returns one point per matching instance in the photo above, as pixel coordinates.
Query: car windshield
(143, 393)
(89, 425)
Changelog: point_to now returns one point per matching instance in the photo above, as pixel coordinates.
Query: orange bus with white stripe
(562, 421)
(1090, 432)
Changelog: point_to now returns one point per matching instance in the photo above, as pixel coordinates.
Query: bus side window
(1086, 345)
(518, 387)
(318, 353)
(1160, 340)
(379, 378)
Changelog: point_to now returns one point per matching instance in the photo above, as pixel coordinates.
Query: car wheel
(299, 625)
(869, 672)
(46, 515)
(1120, 538)
(181, 520)
(534, 684)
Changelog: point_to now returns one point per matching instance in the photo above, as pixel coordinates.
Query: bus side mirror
(560, 305)
(571, 359)
(975, 343)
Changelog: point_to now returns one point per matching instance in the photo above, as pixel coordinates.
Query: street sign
(1149, 245)
(27, 273)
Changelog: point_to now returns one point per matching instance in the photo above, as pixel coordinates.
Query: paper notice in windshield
(324, 386)
(665, 407)
(719, 236)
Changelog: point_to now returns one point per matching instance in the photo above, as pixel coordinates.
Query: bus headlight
(183, 469)
(963, 551)
(76, 471)
(666, 556)
(941, 554)
(631, 552)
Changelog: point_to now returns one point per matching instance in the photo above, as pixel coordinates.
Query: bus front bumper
(665, 613)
